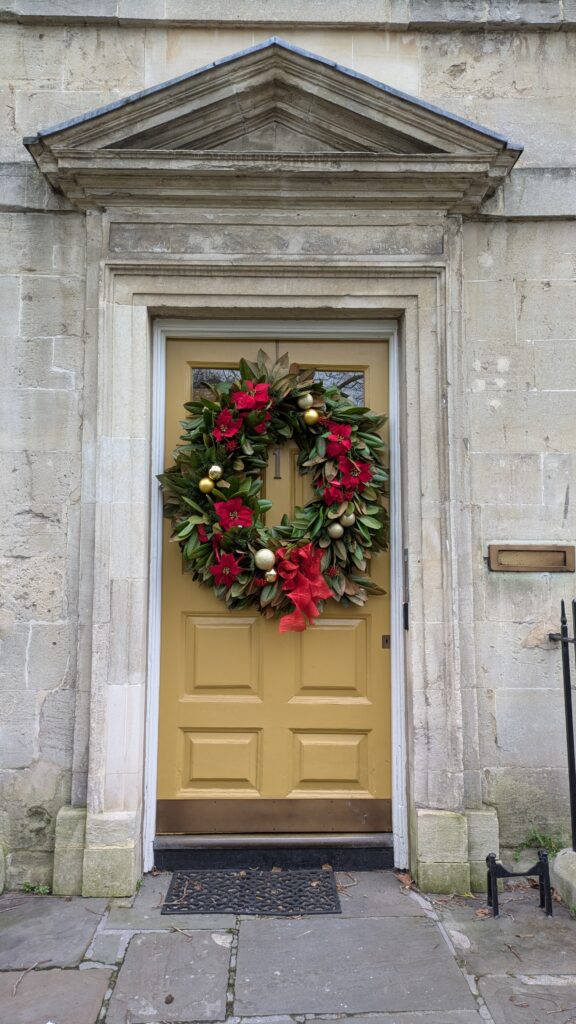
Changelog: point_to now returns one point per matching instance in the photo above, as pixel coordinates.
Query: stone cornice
(392, 15)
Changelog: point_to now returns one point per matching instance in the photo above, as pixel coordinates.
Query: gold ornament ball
(306, 401)
(335, 531)
(348, 519)
(206, 485)
(311, 417)
(271, 576)
(265, 559)
(215, 472)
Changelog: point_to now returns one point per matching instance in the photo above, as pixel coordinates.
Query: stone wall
(506, 65)
(520, 298)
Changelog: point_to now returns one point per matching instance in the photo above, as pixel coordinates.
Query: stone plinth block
(563, 876)
(445, 878)
(110, 871)
(442, 836)
(69, 843)
(441, 839)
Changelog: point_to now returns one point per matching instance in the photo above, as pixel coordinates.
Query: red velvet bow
(304, 584)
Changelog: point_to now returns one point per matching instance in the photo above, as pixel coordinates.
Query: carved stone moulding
(273, 126)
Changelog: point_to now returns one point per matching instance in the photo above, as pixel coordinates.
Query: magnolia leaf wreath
(211, 493)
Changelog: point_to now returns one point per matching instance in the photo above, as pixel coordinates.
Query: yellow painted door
(261, 731)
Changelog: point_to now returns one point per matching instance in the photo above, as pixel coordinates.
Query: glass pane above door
(350, 382)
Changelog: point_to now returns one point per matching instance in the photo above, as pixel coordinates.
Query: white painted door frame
(273, 330)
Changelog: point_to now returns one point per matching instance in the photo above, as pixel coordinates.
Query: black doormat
(279, 892)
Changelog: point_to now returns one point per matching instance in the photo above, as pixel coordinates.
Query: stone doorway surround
(225, 231)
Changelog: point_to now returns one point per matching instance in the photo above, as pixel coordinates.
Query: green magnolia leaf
(340, 550)
(374, 524)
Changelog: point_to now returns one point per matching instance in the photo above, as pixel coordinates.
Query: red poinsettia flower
(256, 396)
(202, 535)
(338, 439)
(304, 584)
(226, 425)
(231, 445)
(261, 428)
(333, 495)
(244, 401)
(355, 473)
(233, 513)
(226, 570)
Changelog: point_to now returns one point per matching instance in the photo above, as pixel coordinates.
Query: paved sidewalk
(392, 957)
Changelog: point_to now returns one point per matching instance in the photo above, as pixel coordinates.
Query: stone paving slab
(512, 1002)
(521, 941)
(172, 977)
(51, 930)
(144, 914)
(109, 947)
(64, 997)
(376, 894)
(330, 965)
(444, 1017)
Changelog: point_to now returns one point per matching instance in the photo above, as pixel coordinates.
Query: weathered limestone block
(483, 838)
(441, 839)
(69, 851)
(525, 12)
(57, 727)
(546, 310)
(536, 191)
(110, 871)
(111, 865)
(18, 718)
(527, 798)
(52, 306)
(2, 868)
(50, 653)
(444, 878)
(9, 291)
(29, 803)
(33, 866)
(563, 876)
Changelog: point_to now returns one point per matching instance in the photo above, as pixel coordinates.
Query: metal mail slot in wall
(531, 557)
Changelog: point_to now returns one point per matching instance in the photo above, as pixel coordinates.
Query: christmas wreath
(212, 493)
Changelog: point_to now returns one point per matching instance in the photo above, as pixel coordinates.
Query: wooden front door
(263, 732)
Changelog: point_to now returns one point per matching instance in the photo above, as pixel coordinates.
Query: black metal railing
(565, 640)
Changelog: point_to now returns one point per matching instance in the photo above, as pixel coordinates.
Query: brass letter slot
(531, 557)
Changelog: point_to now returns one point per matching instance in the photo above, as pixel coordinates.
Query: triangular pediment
(278, 102)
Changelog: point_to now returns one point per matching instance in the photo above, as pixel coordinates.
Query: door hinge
(386, 641)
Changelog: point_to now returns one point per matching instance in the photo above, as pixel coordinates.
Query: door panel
(292, 730)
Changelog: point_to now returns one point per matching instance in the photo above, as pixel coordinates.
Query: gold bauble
(348, 519)
(306, 401)
(265, 559)
(206, 485)
(215, 472)
(335, 531)
(311, 417)
(271, 576)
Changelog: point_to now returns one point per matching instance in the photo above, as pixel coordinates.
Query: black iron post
(565, 641)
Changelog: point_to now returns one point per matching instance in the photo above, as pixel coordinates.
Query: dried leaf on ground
(405, 879)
